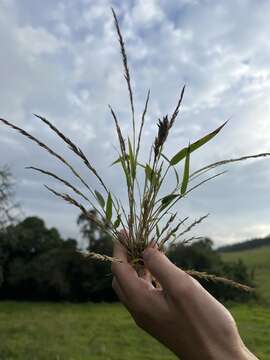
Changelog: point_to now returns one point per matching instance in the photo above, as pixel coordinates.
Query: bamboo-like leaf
(127, 175)
(109, 208)
(100, 199)
(186, 173)
(132, 159)
(194, 146)
(117, 222)
(167, 200)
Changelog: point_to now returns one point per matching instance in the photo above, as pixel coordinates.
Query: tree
(21, 249)
(98, 240)
(89, 230)
(200, 256)
(31, 237)
(8, 208)
(37, 264)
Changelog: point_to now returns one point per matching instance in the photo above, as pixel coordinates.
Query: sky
(61, 59)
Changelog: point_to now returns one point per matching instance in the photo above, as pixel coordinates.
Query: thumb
(165, 272)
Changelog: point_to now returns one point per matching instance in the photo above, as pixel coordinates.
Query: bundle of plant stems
(149, 217)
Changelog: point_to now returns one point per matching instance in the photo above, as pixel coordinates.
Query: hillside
(257, 260)
(247, 245)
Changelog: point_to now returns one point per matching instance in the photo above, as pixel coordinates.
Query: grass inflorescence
(148, 218)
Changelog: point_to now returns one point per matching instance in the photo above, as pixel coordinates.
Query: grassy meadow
(47, 331)
(259, 260)
(44, 331)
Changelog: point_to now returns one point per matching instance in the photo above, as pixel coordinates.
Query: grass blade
(186, 173)
(109, 208)
(131, 160)
(100, 199)
(117, 222)
(194, 146)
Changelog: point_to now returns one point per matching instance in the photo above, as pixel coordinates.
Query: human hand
(181, 314)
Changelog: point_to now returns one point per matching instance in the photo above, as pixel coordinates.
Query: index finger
(126, 275)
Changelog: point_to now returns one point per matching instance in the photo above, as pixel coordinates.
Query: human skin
(180, 313)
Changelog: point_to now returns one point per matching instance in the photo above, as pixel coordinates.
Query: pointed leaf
(100, 199)
(167, 200)
(117, 222)
(117, 161)
(132, 160)
(194, 146)
(109, 208)
(186, 173)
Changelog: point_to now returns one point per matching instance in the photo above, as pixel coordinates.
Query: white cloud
(38, 41)
(64, 62)
(147, 13)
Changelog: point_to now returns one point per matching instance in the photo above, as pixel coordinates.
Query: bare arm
(181, 314)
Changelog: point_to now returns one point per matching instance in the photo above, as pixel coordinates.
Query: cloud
(61, 60)
(38, 41)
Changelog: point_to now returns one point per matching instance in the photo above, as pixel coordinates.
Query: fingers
(145, 274)
(166, 273)
(125, 275)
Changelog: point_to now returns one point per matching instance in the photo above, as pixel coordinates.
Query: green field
(30, 331)
(259, 260)
(43, 331)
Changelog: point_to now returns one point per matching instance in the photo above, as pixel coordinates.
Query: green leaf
(119, 160)
(157, 231)
(150, 174)
(186, 173)
(194, 146)
(167, 200)
(132, 160)
(100, 199)
(117, 222)
(109, 208)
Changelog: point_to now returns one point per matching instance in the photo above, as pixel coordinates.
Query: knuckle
(150, 256)
(184, 290)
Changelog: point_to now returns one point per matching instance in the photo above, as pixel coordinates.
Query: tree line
(247, 245)
(36, 263)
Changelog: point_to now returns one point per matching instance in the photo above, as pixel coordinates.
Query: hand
(181, 314)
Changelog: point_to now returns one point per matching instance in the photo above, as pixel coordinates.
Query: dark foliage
(37, 264)
(200, 256)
